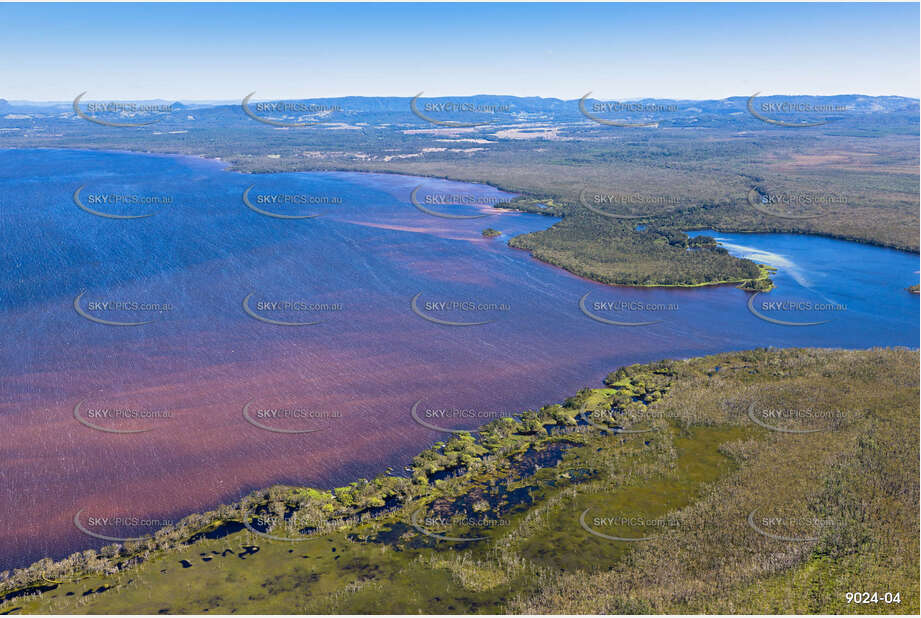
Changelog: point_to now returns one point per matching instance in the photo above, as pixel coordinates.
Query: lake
(163, 364)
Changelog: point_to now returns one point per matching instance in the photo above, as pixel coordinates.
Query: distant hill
(512, 108)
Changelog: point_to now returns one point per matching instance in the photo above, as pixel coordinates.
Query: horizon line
(236, 101)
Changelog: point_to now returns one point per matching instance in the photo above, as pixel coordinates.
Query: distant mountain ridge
(851, 114)
(857, 102)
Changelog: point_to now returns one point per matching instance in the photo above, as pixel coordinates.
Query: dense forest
(618, 253)
(854, 178)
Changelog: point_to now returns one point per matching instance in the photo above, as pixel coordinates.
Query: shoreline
(508, 205)
(369, 513)
(233, 167)
(568, 420)
(546, 263)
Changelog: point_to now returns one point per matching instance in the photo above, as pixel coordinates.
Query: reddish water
(366, 363)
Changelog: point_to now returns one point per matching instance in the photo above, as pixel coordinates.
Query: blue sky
(224, 51)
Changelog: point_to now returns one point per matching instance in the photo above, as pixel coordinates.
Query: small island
(491, 233)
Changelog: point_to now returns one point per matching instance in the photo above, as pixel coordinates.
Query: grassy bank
(518, 517)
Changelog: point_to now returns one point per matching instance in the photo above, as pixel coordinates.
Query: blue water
(370, 253)
(869, 282)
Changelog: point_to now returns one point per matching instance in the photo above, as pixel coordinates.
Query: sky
(211, 52)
